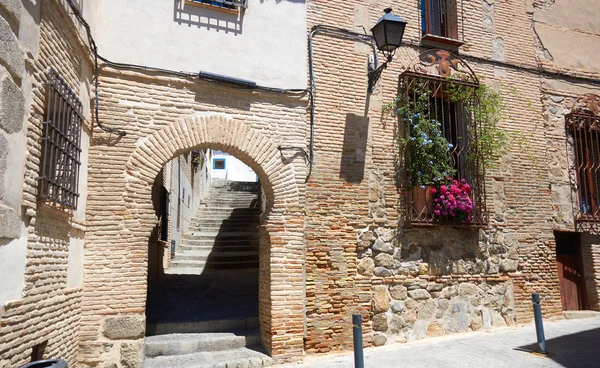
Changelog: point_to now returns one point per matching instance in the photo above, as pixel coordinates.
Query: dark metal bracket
(375, 73)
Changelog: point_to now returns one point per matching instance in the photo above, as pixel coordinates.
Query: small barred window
(61, 149)
(232, 5)
(583, 124)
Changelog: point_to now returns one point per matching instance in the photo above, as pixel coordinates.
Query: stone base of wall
(415, 308)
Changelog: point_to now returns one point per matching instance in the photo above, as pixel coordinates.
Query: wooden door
(570, 272)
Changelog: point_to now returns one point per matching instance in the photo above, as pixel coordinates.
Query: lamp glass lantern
(388, 32)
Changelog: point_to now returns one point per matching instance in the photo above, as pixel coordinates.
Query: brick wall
(50, 307)
(349, 196)
(164, 117)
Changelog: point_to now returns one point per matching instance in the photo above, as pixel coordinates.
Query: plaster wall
(75, 261)
(235, 169)
(558, 24)
(185, 195)
(265, 43)
(12, 267)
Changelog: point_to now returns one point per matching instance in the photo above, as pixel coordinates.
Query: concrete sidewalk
(571, 344)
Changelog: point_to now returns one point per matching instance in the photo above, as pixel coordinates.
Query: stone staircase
(224, 234)
(203, 313)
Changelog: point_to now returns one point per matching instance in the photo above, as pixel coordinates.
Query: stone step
(241, 357)
(201, 270)
(225, 241)
(578, 314)
(220, 235)
(221, 216)
(206, 220)
(215, 256)
(221, 263)
(209, 248)
(177, 344)
(253, 225)
(228, 209)
(223, 325)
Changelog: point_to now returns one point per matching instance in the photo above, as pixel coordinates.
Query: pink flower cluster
(454, 200)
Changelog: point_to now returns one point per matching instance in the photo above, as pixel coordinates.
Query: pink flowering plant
(453, 201)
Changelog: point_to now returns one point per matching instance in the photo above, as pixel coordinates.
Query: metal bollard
(359, 361)
(49, 363)
(539, 323)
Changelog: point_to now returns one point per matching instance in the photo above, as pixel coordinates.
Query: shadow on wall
(352, 165)
(204, 17)
(578, 350)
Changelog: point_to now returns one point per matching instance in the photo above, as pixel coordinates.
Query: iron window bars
(226, 4)
(439, 18)
(437, 71)
(61, 160)
(583, 124)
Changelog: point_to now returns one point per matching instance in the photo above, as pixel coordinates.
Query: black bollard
(539, 323)
(359, 361)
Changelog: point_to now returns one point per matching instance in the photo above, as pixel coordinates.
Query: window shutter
(452, 19)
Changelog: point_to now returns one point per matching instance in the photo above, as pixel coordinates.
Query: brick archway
(281, 264)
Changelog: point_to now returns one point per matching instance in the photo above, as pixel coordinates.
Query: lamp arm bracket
(375, 73)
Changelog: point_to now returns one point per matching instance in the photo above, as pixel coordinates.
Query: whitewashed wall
(235, 169)
(265, 43)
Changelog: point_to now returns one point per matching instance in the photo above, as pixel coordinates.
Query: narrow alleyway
(204, 309)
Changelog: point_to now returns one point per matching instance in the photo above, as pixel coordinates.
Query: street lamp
(388, 33)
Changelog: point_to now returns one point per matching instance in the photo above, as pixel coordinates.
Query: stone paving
(571, 344)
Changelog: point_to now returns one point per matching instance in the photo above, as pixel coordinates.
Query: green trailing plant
(426, 149)
(486, 106)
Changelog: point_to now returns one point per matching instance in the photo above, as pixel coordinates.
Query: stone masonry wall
(164, 117)
(360, 254)
(49, 310)
(558, 102)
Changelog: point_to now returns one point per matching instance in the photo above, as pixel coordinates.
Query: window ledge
(470, 225)
(212, 7)
(441, 42)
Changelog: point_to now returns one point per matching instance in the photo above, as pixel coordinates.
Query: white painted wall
(265, 43)
(75, 265)
(235, 169)
(187, 188)
(13, 257)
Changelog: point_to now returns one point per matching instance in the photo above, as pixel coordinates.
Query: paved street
(571, 343)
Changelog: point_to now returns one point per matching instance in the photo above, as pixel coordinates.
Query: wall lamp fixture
(388, 33)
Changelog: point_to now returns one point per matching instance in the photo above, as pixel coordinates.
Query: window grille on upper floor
(223, 4)
(583, 124)
(439, 18)
(61, 150)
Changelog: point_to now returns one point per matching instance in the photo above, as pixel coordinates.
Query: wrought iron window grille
(583, 125)
(439, 18)
(61, 150)
(437, 71)
(224, 4)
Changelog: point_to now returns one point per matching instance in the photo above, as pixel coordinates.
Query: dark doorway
(570, 271)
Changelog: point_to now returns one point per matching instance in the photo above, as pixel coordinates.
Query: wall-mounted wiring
(200, 75)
